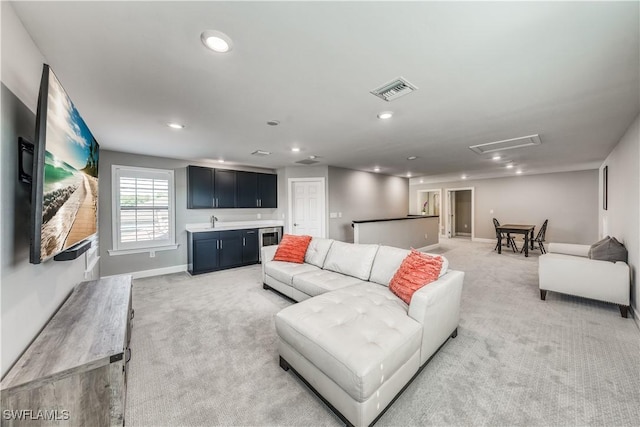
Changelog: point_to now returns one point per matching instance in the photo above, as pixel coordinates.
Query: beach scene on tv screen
(70, 194)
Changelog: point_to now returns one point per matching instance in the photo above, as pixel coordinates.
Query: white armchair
(567, 269)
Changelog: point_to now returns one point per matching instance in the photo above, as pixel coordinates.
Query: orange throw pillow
(417, 270)
(292, 248)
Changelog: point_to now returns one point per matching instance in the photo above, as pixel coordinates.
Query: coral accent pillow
(417, 270)
(292, 248)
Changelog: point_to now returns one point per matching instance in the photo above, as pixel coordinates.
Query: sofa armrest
(437, 308)
(584, 277)
(569, 249)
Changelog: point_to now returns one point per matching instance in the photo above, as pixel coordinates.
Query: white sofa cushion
(317, 251)
(318, 282)
(569, 249)
(284, 271)
(350, 259)
(386, 263)
(358, 336)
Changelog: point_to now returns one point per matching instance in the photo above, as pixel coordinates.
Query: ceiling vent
(507, 144)
(307, 162)
(261, 153)
(394, 89)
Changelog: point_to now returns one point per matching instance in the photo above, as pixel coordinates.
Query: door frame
(448, 225)
(441, 210)
(323, 203)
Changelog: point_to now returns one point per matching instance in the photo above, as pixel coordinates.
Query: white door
(307, 207)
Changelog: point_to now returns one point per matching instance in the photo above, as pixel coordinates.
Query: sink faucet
(213, 221)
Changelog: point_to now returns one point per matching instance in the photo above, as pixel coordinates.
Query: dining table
(525, 229)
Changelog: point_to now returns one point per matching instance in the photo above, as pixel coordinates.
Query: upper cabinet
(267, 190)
(199, 188)
(222, 188)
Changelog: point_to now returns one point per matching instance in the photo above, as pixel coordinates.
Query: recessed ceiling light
(273, 122)
(496, 157)
(220, 160)
(408, 174)
(412, 157)
(518, 171)
(422, 181)
(295, 149)
(175, 125)
(464, 177)
(385, 115)
(376, 169)
(509, 166)
(217, 41)
(312, 157)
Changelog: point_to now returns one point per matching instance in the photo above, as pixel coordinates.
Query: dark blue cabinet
(222, 188)
(217, 250)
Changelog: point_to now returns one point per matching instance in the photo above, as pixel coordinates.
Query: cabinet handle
(244, 242)
(220, 243)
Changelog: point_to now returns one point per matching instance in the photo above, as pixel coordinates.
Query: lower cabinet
(217, 250)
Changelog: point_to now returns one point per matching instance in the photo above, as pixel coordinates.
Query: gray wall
(569, 200)
(140, 262)
(30, 293)
(463, 211)
(364, 195)
(408, 233)
(621, 219)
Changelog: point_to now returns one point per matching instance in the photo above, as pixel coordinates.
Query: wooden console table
(75, 372)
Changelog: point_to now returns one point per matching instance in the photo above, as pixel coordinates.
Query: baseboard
(462, 234)
(429, 248)
(155, 272)
(483, 240)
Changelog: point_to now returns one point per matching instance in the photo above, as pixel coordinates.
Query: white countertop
(233, 225)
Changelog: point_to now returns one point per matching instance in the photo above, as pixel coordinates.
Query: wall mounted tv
(64, 182)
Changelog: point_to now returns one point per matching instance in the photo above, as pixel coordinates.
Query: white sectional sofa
(567, 269)
(355, 343)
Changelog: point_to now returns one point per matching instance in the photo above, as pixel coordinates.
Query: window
(142, 210)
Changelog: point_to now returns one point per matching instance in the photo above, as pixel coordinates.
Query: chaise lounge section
(355, 343)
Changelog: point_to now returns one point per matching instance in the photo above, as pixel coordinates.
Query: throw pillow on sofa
(417, 270)
(608, 249)
(292, 248)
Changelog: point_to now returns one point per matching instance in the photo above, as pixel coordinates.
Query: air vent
(507, 144)
(394, 89)
(307, 162)
(261, 153)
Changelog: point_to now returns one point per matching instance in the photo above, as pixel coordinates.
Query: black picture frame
(605, 187)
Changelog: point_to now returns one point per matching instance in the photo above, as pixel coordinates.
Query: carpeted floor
(204, 353)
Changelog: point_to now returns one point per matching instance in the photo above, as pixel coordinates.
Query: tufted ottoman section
(359, 336)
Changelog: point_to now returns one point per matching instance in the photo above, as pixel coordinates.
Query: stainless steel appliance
(268, 237)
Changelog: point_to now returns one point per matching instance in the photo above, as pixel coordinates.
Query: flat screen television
(64, 196)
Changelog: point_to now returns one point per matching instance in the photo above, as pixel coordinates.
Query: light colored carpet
(204, 353)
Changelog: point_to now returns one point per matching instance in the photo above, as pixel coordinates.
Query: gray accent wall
(142, 262)
(30, 293)
(363, 195)
(568, 199)
(622, 218)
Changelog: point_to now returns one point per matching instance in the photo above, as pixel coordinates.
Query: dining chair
(539, 239)
(510, 240)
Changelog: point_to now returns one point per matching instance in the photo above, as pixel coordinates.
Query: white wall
(621, 219)
(30, 293)
(569, 200)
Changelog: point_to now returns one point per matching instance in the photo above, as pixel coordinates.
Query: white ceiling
(569, 72)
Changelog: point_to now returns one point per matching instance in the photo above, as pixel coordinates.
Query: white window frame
(120, 248)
